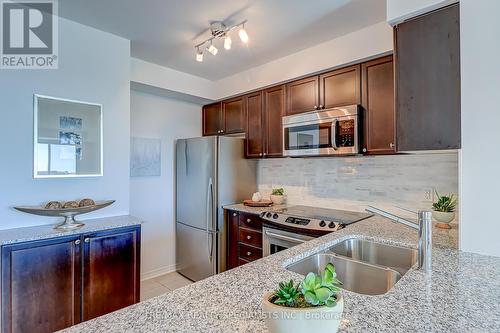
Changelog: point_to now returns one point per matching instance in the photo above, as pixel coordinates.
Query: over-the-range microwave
(335, 131)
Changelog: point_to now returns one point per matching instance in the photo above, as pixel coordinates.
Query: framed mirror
(68, 138)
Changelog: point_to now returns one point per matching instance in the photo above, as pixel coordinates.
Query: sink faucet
(424, 228)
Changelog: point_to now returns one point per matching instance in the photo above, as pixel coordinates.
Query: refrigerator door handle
(209, 219)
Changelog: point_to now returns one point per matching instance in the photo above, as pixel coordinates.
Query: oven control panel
(301, 222)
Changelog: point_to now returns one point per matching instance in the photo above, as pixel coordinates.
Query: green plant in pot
(277, 196)
(444, 210)
(315, 304)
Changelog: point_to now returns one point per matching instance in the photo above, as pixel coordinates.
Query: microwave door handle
(334, 134)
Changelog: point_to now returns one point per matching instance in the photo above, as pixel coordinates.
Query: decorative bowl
(69, 214)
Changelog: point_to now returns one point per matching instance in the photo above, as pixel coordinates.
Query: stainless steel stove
(293, 225)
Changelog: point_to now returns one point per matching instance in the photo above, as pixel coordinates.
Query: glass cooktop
(341, 216)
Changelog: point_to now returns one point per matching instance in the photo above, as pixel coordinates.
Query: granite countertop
(25, 234)
(461, 294)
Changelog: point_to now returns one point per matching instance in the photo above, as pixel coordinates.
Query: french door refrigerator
(210, 172)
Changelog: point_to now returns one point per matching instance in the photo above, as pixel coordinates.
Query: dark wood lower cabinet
(41, 285)
(244, 238)
(110, 272)
(52, 284)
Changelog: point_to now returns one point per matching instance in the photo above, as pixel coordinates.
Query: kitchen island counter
(461, 294)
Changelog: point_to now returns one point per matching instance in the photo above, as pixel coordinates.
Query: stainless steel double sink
(363, 266)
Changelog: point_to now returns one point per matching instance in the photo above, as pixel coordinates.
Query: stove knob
(263, 214)
(331, 225)
(322, 223)
(268, 215)
(275, 216)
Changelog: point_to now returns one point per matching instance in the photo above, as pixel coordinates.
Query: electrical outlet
(428, 195)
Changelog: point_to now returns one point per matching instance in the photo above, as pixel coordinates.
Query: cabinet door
(41, 283)
(274, 109)
(378, 103)
(255, 125)
(233, 115)
(111, 268)
(302, 95)
(232, 239)
(211, 119)
(427, 56)
(340, 87)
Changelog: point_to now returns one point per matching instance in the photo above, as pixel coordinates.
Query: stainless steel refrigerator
(210, 172)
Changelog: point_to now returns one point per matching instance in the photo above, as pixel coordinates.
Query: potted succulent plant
(277, 196)
(315, 304)
(444, 210)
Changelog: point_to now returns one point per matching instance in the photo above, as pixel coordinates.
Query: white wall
(367, 42)
(400, 10)
(149, 74)
(93, 66)
(480, 161)
(152, 198)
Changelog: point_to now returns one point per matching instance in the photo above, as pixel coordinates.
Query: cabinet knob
(321, 106)
(86, 240)
(77, 242)
(249, 221)
(249, 253)
(260, 154)
(234, 214)
(222, 131)
(249, 237)
(264, 154)
(364, 150)
(391, 145)
(315, 107)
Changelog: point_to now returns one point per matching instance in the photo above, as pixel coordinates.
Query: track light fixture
(220, 31)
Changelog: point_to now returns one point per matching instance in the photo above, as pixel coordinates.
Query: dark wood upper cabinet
(255, 125)
(233, 116)
(41, 284)
(340, 87)
(212, 119)
(274, 110)
(110, 272)
(427, 58)
(302, 95)
(378, 104)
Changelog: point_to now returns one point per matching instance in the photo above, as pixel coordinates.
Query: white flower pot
(277, 199)
(443, 217)
(281, 319)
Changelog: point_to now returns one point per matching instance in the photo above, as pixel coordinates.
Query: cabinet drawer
(242, 261)
(250, 221)
(251, 237)
(249, 253)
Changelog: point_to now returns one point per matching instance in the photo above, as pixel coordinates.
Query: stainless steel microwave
(335, 131)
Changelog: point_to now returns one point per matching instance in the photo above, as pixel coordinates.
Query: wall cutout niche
(68, 138)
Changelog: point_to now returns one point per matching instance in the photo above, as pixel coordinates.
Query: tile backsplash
(354, 182)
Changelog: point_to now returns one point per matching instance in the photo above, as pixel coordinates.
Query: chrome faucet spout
(424, 228)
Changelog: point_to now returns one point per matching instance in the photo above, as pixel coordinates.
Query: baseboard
(157, 272)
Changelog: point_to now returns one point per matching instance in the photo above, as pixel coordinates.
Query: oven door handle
(285, 238)
(334, 134)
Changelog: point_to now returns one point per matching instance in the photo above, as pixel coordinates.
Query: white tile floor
(162, 284)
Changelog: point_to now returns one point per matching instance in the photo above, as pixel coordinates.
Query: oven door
(275, 240)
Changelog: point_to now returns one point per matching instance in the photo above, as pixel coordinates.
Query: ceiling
(165, 31)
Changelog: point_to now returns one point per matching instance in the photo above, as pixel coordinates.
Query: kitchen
(348, 145)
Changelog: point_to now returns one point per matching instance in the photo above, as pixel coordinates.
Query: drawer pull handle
(249, 237)
(249, 253)
(249, 221)
(77, 242)
(86, 240)
(234, 214)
